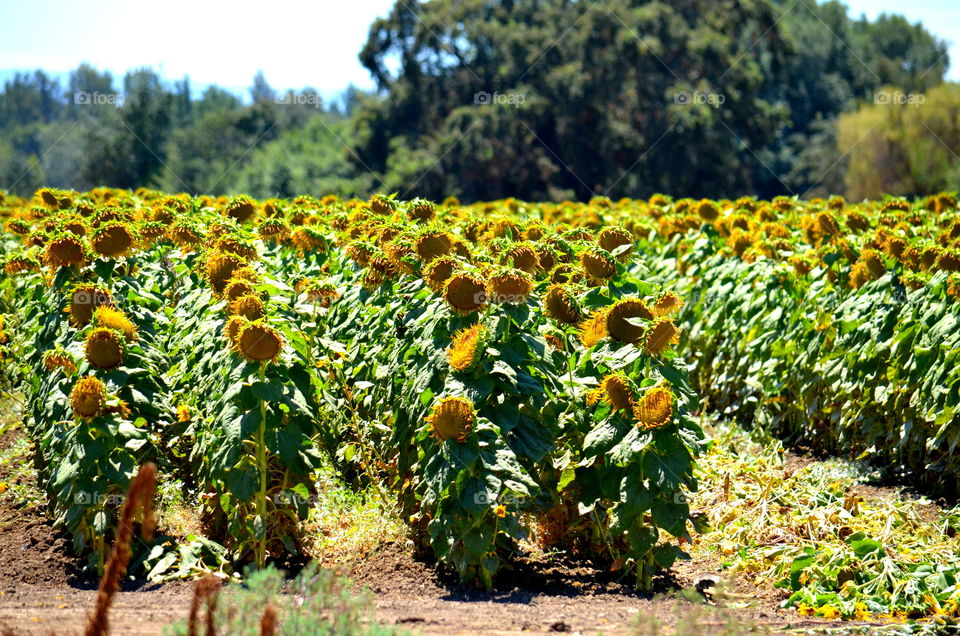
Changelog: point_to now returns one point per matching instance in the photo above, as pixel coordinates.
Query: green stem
(261, 545)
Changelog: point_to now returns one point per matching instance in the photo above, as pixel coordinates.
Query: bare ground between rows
(44, 591)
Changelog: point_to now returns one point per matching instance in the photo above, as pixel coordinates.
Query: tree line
(536, 99)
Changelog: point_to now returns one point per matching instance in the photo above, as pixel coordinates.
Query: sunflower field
(489, 369)
(486, 370)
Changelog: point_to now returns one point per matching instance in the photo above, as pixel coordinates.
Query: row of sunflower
(831, 324)
(502, 375)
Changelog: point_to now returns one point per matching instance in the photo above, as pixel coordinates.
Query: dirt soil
(44, 591)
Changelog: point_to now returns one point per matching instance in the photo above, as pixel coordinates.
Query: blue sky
(296, 43)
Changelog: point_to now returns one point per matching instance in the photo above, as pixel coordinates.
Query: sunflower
(420, 211)
(826, 224)
(260, 342)
(667, 303)
(249, 306)
(660, 336)
(948, 261)
(594, 328)
(468, 344)
(110, 317)
(239, 287)
(84, 300)
(561, 305)
(308, 238)
(509, 286)
(88, 397)
(619, 314)
(439, 271)
(465, 293)
(241, 209)
(547, 257)
(381, 204)
(66, 251)
(433, 244)
(20, 264)
(232, 329)
(655, 408)
(706, 210)
(873, 261)
(523, 257)
(360, 253)
(613, 237)
(59, 359)
(236, 245)
(274, 230)
(185, 235)
(452, 419)
(598, 264)
(616, 390)
(112, 239)
(104, 348)
(220, 267)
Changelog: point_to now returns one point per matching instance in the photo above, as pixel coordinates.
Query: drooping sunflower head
(241, 209)
(84, 300)
(667, 304)
(112, 239)
(660, 336)
(232, 329)
(360, 252)
(420, 210)
(598, 264)
(220, 267)
(613, 237)
(308, 238)
(465, 293)
(65, 251)
(59, 359)
(110, 317)
(594, 328)
(827, 225)
(104, 348)
(616, 390)
(561, 304)
(948, 261)
(523, 257)
(509, 286)
(274, 230)
(452, 419)
(249, 306)
(873, 261)
(238, 287)
(439, 271)
(88, 397)
(433, 244)
(382, 204)
(655, 408)
(468, 345)
(620, 315)
(260, 342)
(707, 210)
(185, 234)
